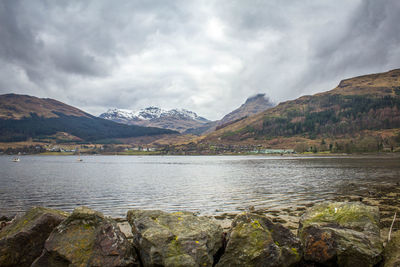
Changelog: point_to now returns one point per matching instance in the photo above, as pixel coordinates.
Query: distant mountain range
(23, 117)
(174, 119)
(186, 121)
(366, 103)
(360, 114)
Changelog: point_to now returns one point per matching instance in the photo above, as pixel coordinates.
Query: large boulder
(175, 239)
(22, 241)
(392, 251)
(87, 238)
(255, 241)
(341, 233)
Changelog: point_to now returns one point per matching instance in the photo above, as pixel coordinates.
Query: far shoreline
(303, 155)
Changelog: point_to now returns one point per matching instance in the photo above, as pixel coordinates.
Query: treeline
(86, 128)
(361, 144)
(335, 115)
(33, 149)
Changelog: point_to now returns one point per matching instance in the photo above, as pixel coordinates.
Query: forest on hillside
(88, 129)
(327, 116)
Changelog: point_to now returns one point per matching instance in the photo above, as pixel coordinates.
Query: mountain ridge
(367, 102)
(174, 119)
(252, 105)
(151, 113)
(23, 117)
(10, 107)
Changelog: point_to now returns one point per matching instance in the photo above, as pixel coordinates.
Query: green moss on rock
(23, 240)
(344, 233)
(175, 239)
(87, 238)
(28, 220)
(354, 215)
(255, 241)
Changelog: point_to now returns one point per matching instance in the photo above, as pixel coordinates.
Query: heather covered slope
(24, 117)
(370, 102)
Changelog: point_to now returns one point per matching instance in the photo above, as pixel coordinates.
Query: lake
(204, 184)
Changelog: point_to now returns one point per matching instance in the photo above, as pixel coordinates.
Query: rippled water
(206, 184)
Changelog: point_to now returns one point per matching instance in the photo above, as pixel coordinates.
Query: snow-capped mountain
(174, 119)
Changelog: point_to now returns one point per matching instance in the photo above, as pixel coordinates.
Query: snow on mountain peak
(118, 113)
(151, 113)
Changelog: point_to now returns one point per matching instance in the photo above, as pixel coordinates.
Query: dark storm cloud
(18, 43)
(369, 43)
(207, 56)
(369, 38)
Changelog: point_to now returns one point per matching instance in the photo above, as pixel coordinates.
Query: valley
(360, 115)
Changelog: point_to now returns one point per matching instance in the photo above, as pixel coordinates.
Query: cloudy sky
(206, 56)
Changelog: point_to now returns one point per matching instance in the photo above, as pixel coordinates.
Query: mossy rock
(255, 241)
(87, 238)
(391, 252)
(22, 241)
(343, 233)
(175, 239)
(351, 215)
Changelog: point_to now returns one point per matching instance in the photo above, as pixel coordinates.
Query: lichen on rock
(22, 241)
(87, 238)
(343, 233)
(255, 241)
(175, 239)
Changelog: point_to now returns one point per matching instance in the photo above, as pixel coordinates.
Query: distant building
(273, 151)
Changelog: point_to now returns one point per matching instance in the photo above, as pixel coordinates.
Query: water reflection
(207, 184)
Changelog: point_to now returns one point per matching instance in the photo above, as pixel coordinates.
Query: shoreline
(304, 155)
(179, 237)
(385, 196)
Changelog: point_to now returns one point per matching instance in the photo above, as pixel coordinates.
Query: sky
(205, 56)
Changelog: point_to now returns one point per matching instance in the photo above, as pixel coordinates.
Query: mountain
(251, 106)
(16, 107)
(23, 117)
(174, 119)
(366, 103)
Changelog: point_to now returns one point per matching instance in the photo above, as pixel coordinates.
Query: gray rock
(175, 239)
(87, 238)
(255, 241)
(341, 233)
(126, 229)
(22, 241)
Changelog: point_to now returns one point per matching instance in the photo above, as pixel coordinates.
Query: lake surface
(204, 184)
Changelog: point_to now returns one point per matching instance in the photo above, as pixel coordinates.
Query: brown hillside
(16, 107)
(369, 102)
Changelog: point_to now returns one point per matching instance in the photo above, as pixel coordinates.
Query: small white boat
(15, 160)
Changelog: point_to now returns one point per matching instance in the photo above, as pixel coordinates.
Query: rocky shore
(345, 233)
(385, 196)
